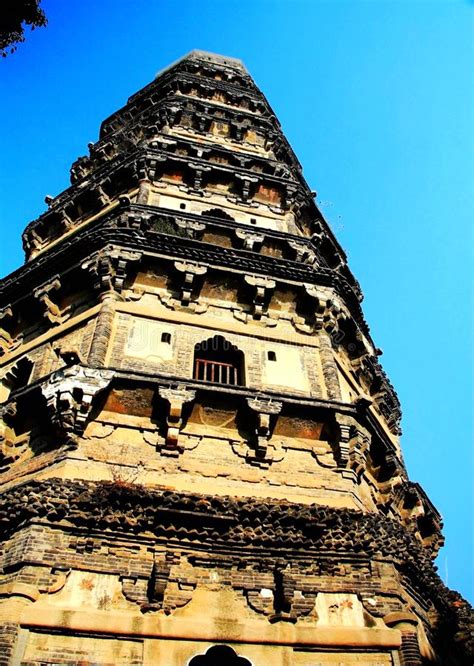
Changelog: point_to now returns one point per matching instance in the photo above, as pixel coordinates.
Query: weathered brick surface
(150, 516)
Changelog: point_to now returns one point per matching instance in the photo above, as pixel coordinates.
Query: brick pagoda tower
(200, 458)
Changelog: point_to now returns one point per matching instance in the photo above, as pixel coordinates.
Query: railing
(216, 372)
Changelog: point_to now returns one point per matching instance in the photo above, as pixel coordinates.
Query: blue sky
(376, 99)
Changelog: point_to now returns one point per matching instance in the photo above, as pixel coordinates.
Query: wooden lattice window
(217, 361)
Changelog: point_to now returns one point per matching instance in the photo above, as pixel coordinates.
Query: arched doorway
(219, 655)
(218, 361)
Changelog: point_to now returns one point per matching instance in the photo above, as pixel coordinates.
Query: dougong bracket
(264, 410)
(177, 398)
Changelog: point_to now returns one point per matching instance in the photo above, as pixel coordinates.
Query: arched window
(219, 213)
(218, 361)
(219, 655)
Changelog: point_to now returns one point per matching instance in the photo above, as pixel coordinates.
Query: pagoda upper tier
(204, 126)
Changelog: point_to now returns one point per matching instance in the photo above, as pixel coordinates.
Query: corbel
(249, 238)
(69, 394)
(202, 122)
(13, 447)
(80, 169)
(290, 195)
(123, 259)
(198, 170)
(67, 221)
(7, 341)
(285, 586)
(353, 445)
(153, 167)
(43, 294)
(157, 583)
(102, 197)
(99, 266)
(302, 252)
(264, 410)
(344, 424)
(177, 397)
(109, 268)
(389, 406)
(247, 182)
(322, 306)
(262, 287)
(300, 199)
(32, 243)
(189, 271)
(193, 228)
(358, 450)
(133, 219)
(8, 412)
(239, 129)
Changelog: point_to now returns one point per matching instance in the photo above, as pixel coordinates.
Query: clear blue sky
(376, 99)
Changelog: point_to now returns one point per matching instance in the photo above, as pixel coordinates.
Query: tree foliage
(14, 15)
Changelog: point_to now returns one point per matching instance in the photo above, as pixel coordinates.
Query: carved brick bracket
(140, 221)
(100, 267)
(109, 268)
(345, 425)
(123, 259)
(8, 342)
(264, 410)
(358, 451)
(8, 412)
(177, 397)
(153, 166)
(262, 288)
(322, 305)
(249, 239)
(291, 192)
(190, 272)
(353, 444)
(192, 228)
(32, 243)
(247, 182)
(303, 252)
(69, 395)
(198, 170)
(284, 590)
(43, 294)
(158, 582)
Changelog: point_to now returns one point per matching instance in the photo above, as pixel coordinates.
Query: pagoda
(200, 459)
